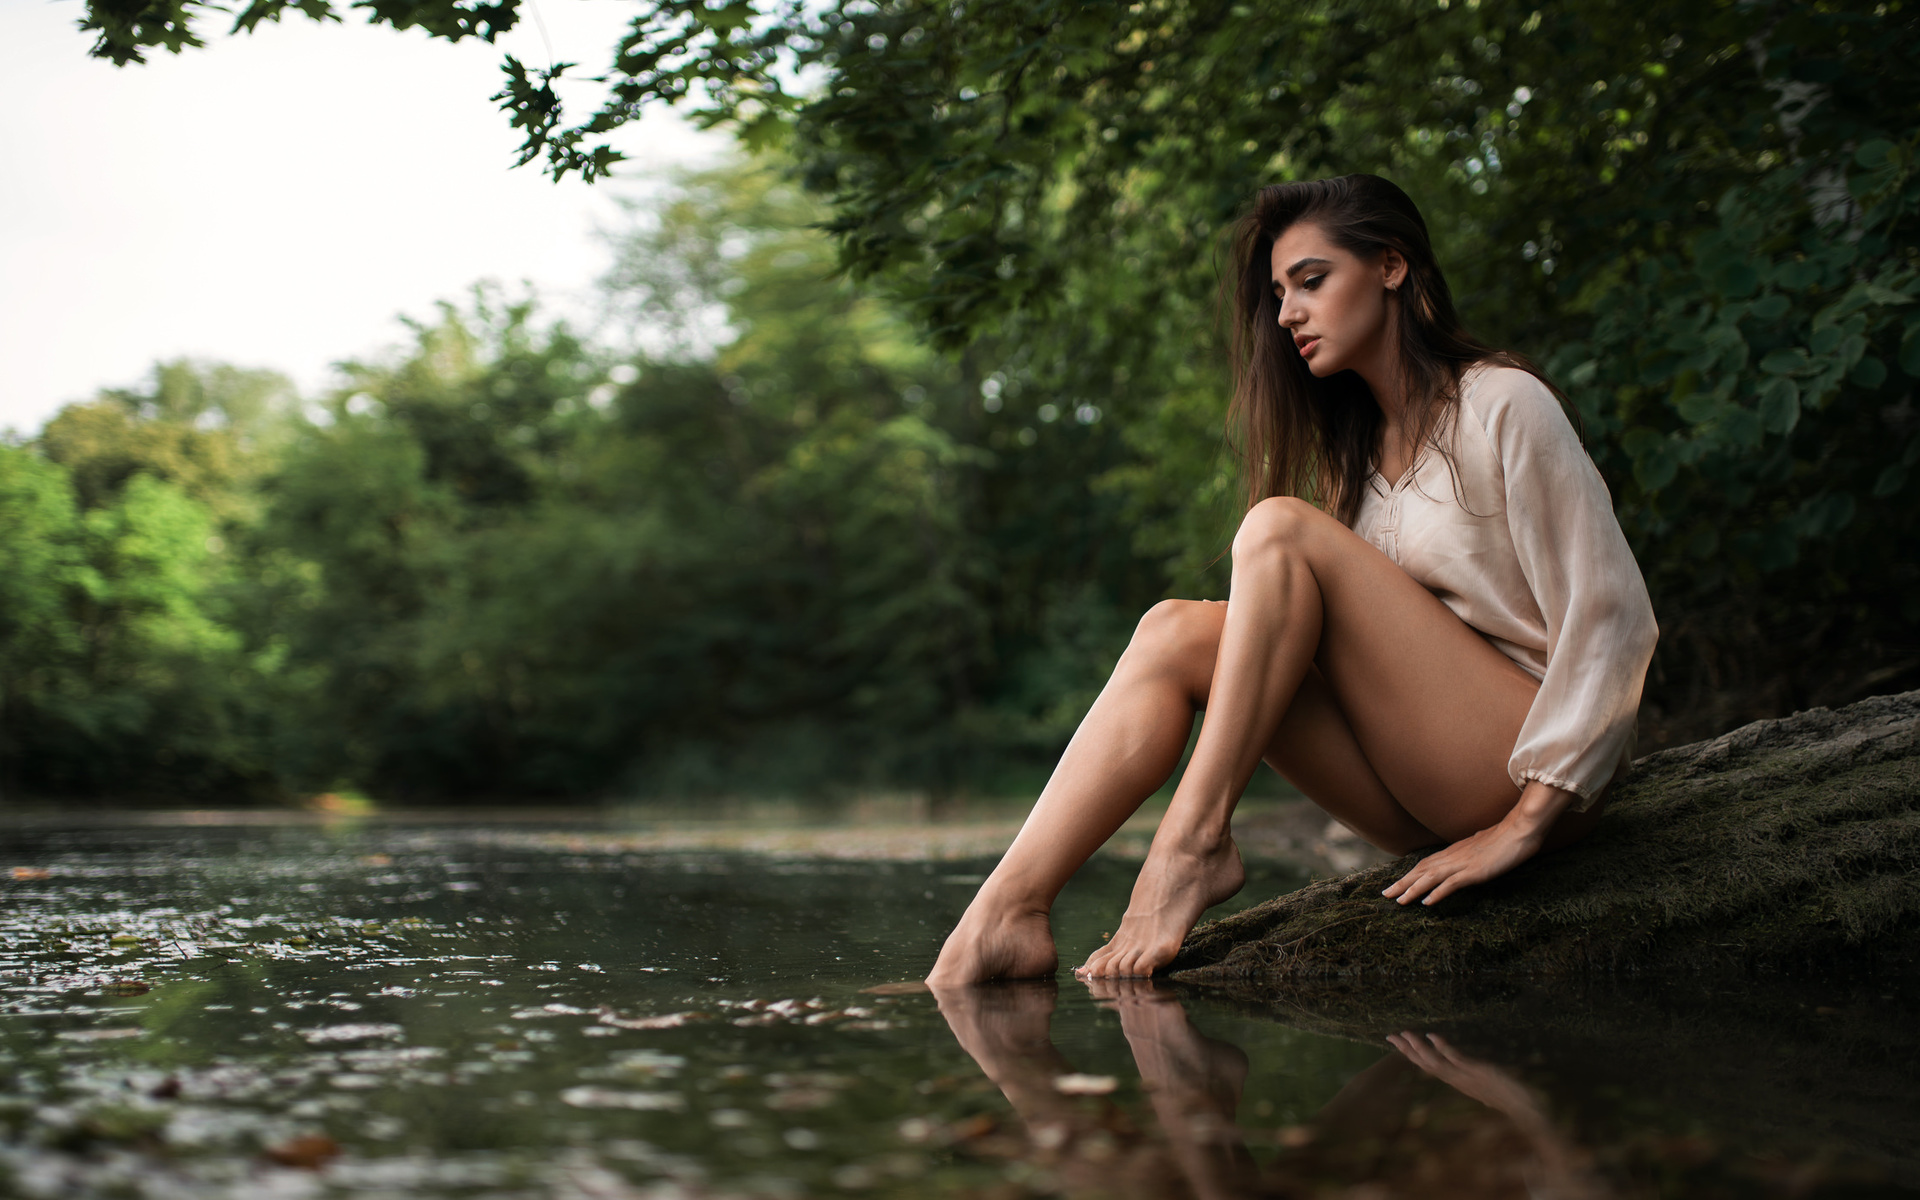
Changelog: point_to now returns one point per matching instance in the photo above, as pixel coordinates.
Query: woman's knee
(1278, 524)
(1177, 632)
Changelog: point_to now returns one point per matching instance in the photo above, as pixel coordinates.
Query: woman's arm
(1493, 851)
(1582, 574)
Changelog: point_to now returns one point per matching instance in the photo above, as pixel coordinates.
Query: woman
(1446, 646)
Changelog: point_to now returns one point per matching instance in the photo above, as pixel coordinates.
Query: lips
(1306, 345)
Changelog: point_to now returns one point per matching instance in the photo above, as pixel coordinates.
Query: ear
(1393, 269)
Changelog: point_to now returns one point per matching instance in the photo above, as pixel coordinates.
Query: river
(582, 1005)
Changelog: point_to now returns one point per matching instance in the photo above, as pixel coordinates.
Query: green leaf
(1737, 279)
(1656, 467)
(1886, 295)
(1770, 308)
(1873, 153)
(1798, 276)
(1891, 480)
(1826, 514)
(1786, 361)
(1869, 373)
(1583, 374)
(1825, 340)
(1779, 405)
(1699, 407)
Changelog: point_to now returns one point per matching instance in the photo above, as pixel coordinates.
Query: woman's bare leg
(1432, 711)
(1354, 681)
(1125, 749)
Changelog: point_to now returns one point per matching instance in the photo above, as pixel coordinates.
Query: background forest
(922, 400)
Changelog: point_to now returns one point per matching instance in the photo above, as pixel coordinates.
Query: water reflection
(1426, 1119)
(521, 1011)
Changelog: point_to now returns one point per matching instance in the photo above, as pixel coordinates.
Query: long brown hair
(1299, 435)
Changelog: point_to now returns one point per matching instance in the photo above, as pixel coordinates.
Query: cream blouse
(1524, 547)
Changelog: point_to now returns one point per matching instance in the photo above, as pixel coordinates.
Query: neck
(1388, 384)
(1381, 368)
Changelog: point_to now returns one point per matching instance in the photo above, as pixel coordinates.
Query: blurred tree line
(896, 526)
(788, 550)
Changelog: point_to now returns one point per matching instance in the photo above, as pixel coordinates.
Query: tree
(1631, 195)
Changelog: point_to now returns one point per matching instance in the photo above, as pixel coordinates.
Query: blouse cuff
(1584, 794)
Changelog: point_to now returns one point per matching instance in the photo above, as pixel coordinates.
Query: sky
(277, 199)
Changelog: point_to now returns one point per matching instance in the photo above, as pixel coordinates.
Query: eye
(1312, 282)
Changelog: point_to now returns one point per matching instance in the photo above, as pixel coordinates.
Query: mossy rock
(1789, 845)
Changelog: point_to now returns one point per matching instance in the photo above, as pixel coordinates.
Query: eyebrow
(1305, 262)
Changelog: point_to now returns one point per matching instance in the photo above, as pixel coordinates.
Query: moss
(1790, 844)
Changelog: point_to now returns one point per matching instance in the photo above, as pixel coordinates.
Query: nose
(1290, 314)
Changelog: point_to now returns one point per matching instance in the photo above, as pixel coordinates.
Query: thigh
(1431, 705)
(1315, 750)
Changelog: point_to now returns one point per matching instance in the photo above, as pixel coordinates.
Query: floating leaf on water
(665, 1021)
(99, 1035)
(548, 1010)
(911, 987)
(807, 1079)
(308, 1153)
(1084, 1085)
(324, 1034)
(124, 939)
(917, 1129)
(978, 1125)
(800, 1100)
(649, 1062)
(854, 1177)
(166, 1089)
(126, 987)
(30, 873)
(381, 1060)
(598, 1097)
(838, 1014)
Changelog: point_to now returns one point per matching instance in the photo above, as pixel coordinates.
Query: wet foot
(995, 943)
(1175, 886)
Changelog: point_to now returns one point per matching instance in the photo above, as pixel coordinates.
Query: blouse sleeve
(1600, 626)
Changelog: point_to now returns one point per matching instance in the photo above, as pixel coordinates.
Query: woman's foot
(1175, 886)
(995, 942)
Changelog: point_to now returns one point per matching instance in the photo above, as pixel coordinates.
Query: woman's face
(1335, 306)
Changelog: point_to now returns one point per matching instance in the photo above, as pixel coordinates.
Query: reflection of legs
(1007, 1030)
(1561, 1167)
(1194, 1082)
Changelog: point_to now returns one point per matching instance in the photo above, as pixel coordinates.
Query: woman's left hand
(1493, 851)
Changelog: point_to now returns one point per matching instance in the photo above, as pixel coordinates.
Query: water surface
(478, 1008)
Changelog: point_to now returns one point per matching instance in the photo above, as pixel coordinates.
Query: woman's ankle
(1012, 898)
(1204, 838)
